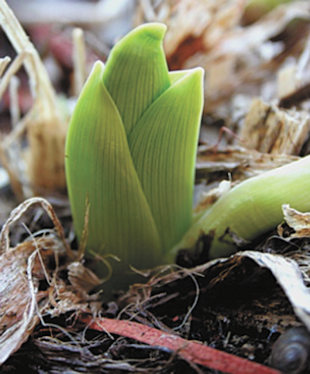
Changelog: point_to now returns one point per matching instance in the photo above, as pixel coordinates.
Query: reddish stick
(189, 350)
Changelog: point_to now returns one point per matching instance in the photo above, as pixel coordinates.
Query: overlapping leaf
(136, 72)
(131, 150)
(163, 149)
(100, 169)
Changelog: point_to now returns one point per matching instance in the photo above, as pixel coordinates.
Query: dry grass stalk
(10, 147)
(14, 106)
(79, 60)
(4, 61)
(46, 129)
(12, 172)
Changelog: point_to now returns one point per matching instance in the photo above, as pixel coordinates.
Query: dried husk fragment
(298, 221)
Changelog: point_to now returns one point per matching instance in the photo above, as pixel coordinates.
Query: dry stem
(79, 60)
(46, 129)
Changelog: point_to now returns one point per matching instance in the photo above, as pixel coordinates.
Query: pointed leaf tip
(98, 65)
(96, 71)
(197, 72)
(152, 30)
(136, 72)
(194, 74)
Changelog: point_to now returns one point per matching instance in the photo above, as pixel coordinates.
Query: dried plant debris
(293, 81)
(251, 294)
(195, 353)
(226, 304)
(289, 276)
(193, 26)
(39, 167)
(31, 285)
(87, 351)
(239, 304)
(7, 202)
(241, 61)
(299, 222)
(269, 129)
(235, 164)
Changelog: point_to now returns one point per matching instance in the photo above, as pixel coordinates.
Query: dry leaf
(298, 221)
(289, 277)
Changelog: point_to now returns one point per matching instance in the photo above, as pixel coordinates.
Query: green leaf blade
(136, 72)
(252, 208)
(99, 168)
(163, 146)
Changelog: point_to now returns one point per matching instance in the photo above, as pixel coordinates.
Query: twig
(191, 351)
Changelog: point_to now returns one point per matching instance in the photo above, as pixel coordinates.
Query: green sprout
(131, 150)
(251, 208)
